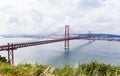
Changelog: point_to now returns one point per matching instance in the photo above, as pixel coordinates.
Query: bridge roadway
(15, 46)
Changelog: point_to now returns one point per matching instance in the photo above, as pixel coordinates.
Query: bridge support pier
(66, 47)
(10, 53)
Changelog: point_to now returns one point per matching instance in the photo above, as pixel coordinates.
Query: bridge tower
(66, 38)
(91, 36)
(10, 53)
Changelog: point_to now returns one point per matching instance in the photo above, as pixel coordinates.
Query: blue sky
(40, 16)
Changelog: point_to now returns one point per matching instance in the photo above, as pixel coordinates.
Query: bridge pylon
(90, 36)
(66, 38)
(10, 53)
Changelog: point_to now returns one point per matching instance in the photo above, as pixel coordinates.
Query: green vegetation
(88, 69)
(3, 59)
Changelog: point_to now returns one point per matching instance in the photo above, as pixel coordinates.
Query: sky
(43, 16)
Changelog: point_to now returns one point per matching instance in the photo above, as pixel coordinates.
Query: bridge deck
(28, 44)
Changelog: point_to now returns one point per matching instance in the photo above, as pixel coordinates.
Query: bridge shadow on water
(81, 46)
(69, 57)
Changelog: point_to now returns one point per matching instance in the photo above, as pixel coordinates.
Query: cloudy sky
(38, 16)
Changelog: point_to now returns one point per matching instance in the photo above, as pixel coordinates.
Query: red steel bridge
(10, 47)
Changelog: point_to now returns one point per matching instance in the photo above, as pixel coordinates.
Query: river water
(53, 54)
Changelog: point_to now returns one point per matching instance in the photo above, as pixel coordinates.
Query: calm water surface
(54, 54)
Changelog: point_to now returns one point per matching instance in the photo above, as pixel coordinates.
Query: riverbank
(88, 69)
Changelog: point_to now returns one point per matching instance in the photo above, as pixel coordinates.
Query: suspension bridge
(10, 47)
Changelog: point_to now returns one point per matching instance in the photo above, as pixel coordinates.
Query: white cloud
(38, 16)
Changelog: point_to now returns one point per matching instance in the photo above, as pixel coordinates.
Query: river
(53, 54)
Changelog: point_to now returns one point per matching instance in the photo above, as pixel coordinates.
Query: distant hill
(101, 35)
(42, 35)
